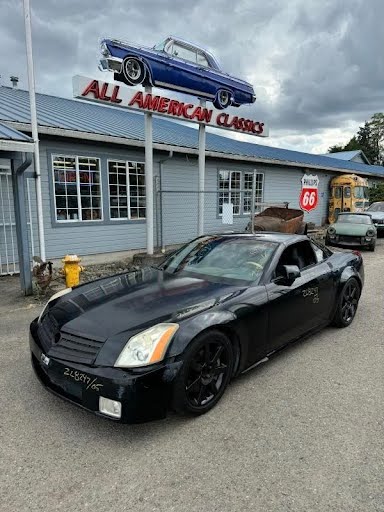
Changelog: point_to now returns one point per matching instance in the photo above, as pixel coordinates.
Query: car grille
(350, 239)
(63, 345)
(48, 331)
(77, 349)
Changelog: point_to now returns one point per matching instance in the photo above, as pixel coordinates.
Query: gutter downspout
(22, 224)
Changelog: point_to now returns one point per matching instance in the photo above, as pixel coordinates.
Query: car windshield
(376, 207)
(354, 219)
(224, 258)
(160, 46)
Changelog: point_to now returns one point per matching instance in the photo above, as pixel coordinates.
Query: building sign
(109, 93)
(309, 196)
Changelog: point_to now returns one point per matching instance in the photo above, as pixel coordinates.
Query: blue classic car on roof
(177, 65)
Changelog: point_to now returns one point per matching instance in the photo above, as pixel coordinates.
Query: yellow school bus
(349, 193)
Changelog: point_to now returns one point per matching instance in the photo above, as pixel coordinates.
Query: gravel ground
(304, 432)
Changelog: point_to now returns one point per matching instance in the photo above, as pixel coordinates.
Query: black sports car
(132, 346)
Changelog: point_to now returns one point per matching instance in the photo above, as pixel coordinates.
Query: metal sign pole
(149, 176)
(253, 205)
(200, 209)
(35, 134)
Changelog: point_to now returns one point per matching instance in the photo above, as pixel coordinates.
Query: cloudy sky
(317, 65)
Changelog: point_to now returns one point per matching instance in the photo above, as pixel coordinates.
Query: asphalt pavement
(303, 432)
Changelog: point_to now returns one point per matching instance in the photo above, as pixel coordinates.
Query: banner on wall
(309, 196)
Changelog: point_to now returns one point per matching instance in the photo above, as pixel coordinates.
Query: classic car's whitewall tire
(223, 99)
(133, 71)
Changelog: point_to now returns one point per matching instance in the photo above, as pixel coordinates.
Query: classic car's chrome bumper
(111, 64)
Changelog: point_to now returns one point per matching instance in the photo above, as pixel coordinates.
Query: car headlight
(54, 297)
(104, 50)
(331, 230)
(370, 232)
(147, 347)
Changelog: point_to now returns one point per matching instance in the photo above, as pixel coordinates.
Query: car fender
(347, 273)
(192, 327)
(143, 61)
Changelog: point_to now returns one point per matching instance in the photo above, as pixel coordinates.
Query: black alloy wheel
(348, 302)
(205, 374)
(133, 71)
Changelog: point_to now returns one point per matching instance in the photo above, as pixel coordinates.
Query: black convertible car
(132, 346)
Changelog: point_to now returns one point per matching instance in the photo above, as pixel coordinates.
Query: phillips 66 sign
(309, 197)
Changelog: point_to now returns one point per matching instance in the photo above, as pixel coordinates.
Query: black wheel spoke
(200, 396)
(218, 370)
(194, 383)
(217, 355)
(213, 388)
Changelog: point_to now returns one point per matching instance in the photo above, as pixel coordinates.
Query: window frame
(128, 187)
(252, 173)
(242, 191)
(79, 220)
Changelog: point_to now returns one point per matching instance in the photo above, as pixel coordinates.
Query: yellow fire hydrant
(71, 270)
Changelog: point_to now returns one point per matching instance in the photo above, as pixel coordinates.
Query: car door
(185, 71)
(297, 308)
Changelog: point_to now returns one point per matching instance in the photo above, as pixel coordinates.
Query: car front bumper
(111, 64)
(379, 227)
(144, 395)
(352, 241)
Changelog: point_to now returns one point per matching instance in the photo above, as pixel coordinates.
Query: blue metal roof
(70, 114)
(344, 155)
(7, 133)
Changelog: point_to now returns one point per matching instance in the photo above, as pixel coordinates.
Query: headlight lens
(54, 297)
(370, 232)
(147, 347)
(331, 230)
(104, 50)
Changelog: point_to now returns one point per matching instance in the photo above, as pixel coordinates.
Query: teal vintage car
(352, 229)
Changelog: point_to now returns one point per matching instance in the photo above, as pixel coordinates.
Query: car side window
(182, 52)
(320, 254)
(202, 60)
(300, 254)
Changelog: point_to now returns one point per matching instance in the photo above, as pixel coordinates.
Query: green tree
(376, 193)
(376, 125)
(366, 144)
(369, 139)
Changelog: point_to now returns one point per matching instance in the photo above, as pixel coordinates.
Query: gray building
(93, 186)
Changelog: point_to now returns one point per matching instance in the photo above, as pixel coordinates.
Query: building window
(77, 188)
(236, 187)
(126, 190)
(247, 197)
(229, 190)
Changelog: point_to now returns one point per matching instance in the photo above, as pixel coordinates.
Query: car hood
(376, 215)
(135, 301)
(351, 229)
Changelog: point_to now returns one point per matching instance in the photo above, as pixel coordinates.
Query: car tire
(133, 71)
(372, 247)
(200, 384)
(223, 99)
(347, 303)
(327, 241)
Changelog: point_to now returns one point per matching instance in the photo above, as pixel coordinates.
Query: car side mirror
(289, 274)
(292, 272)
